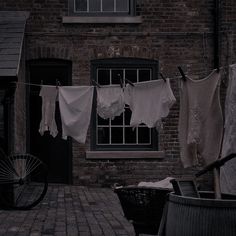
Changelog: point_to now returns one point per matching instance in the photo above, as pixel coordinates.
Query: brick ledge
(103, 20)
(125, 154)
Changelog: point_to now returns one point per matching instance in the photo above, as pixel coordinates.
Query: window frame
(73, 12)
(114, 63)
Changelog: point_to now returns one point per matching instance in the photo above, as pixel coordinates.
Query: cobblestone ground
(71, 211)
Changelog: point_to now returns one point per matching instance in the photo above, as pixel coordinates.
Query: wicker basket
(143, 206)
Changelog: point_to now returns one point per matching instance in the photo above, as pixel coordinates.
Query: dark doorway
(55, 152)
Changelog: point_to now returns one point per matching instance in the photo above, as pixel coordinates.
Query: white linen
(228, 171)
(75, 104)
(49, 96)
(149, 102)
(110, 101)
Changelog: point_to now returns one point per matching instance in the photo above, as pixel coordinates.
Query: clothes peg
(163, 77)
(129, 82)
(96, 83)
(121, 80)
(182, 73)
(58, 83)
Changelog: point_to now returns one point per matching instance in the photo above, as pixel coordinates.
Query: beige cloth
(149, 101)
(49, 95)
(200, 120)
(75, 104)
(228, 171)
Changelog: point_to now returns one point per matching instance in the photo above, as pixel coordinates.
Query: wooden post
(217, 189)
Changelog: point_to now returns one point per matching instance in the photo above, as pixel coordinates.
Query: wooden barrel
(203, 216)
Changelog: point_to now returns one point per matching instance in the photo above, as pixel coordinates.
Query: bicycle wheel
(23, 181)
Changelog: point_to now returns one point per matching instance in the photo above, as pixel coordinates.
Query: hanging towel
(228, 171)
(75, 104)
(149, 102)
(49, 96)
(110, 101)
(200, 120)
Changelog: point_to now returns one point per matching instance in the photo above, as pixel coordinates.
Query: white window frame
(122, 64)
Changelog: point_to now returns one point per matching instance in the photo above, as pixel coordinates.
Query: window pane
(127, 116)
(118, 120)
(108, 5)
(81, 5)
(131, 75)
(116, 135)
(122, 5)
(144, 75)
(143, 135)
(130, 135)
(102, 121)
(103, 77)
(95, 5)
(116, 75)
(103, 135)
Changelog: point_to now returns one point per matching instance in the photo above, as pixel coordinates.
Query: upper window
(117, 134)
(101, 7)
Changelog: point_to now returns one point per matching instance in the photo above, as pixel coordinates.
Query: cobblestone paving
(71, 211)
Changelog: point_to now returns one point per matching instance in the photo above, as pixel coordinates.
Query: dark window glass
(131, 75)
(116, 135)
(143, 135)
(144, 75)
(108, 5)
(130, 135)
(118, 120)
(103, 77)
(103, 135)
(102, 121)
(94, 5)
(127, 116)
(122, 5)
(116, 76)
(81, 5)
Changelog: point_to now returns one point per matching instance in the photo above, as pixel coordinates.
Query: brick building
(74, 42)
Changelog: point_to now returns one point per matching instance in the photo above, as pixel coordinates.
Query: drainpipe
(216, 172)
(216, 33)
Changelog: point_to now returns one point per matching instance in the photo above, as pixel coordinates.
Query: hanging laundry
(200, 120)
(228, 171)
(49, 96)
(110, 101)
(149, 102)
(75, 104)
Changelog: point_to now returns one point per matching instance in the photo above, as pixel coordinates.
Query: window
(117, 134)
(101, 7)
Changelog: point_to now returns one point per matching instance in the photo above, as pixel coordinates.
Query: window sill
(102, 20)
(91, 155)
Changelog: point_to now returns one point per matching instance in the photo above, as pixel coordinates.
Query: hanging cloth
(75, 104)
(49, 95)
(200, 120)
(228, 171)
(149, 102)
(110, 101)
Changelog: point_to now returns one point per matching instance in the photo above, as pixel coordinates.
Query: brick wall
(20, 128)
(178, 32)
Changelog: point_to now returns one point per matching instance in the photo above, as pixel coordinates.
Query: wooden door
(55, 152)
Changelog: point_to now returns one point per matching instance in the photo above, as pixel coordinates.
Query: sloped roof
(12, 27)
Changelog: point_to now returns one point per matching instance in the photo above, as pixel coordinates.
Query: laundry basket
(143, 206)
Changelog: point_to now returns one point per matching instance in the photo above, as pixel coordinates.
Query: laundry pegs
(58, 83)
(182, 73)
(163, 77)
(129, 82)
(96, 83)
(121, 80)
